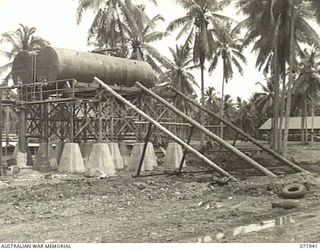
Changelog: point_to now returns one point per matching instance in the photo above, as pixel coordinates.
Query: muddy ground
(55, 207)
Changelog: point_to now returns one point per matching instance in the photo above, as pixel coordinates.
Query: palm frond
(154, 36)
(5, 68)
(173, 25)
(214, 63)
(154, 65)
(155, 54)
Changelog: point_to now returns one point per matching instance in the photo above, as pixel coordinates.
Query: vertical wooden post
(112, 121)
(85, 135)
(46, 122)
(22, 122)
(146, 140)
(22, 119)
(235, 139)
(100, 115)
(184, 150)
(7, 129)
(72, 122)
(140, 106)
(46, 126)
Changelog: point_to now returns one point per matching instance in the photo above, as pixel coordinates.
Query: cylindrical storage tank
(58, 64)
(22, 67)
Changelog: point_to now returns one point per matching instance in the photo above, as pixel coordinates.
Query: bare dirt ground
(55, 207)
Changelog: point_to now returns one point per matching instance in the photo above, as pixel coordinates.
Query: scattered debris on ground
(55, 207)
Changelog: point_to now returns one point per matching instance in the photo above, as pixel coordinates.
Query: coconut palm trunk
(222, 105)
(202, 118)
(290, 84)
(282, 106)
(306, 118)
(274, 144)
(312, 120)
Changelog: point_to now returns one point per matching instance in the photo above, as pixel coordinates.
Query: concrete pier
(22, 159)
(100, 162)
(71, 159)
(150, 159)
(174, 154)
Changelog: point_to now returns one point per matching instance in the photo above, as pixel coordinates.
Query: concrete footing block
(116, 155)
(124, 153)
(150, 159)
(45, 159)
(100, 162)
(86, 149)
(174, 154)
(22, 159)
(71, 159)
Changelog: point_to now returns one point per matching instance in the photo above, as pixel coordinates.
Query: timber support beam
(166, 131)
(241, 132)
(209, 133)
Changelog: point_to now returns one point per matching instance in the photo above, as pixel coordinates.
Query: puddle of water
(263, 225)
(283, 220)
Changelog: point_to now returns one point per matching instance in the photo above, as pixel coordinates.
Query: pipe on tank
(58, 64)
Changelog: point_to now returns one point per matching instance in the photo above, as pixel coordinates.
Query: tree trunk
(302, 126)
(120, 28)
(202, 103)
(222, 106)
(276, 100)
(7, 129)
(306, 118)
(282, 104)
(290, 84)
(312, 120)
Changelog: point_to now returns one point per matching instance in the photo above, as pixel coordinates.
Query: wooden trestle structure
(96, 112)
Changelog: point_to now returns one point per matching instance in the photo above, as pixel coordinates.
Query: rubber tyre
(293, 191)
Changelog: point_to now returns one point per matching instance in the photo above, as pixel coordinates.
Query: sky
(55, 21)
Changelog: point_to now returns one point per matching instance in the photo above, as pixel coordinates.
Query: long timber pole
(166, 131)
(216, 138)
(244, 134)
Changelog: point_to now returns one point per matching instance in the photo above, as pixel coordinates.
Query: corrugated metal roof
(295, 123)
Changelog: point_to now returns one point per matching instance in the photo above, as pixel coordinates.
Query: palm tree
(139, 37)
(177, 73)
(23, 38)
(178, 70)
(107, 29)
(246, 116)
(263, 101)
(306, 87)
(200, 16)
(195, 25)
(228, 48)
(212, 100)
(305, 5)
(270, 25)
